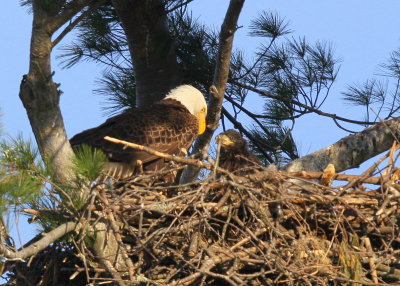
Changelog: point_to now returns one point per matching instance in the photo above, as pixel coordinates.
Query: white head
(193, 100)
(188, 96)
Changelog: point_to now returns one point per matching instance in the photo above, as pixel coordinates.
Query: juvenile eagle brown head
(235, 156)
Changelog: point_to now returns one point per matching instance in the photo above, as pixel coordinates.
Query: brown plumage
(235, 156)
(167, 126)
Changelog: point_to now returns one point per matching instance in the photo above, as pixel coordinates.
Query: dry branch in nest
(262, 229)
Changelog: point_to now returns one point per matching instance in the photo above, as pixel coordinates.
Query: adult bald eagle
(168, 126)
(235, 156)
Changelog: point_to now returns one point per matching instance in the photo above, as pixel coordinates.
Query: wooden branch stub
(45, 241)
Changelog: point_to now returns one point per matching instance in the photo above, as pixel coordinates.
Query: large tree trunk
(40, 94)
(151, 47)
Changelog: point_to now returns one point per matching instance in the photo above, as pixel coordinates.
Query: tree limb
(217, 91)
(76, 21)
(74, 7)
(350, 151)
(39, 93)
(41, 244)
(295, 102)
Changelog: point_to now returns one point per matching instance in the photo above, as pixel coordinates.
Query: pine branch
(295, 102)
(184, 3)
(74, 7)
(261, 125)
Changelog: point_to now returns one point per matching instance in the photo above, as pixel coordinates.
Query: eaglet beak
(201, 116)
(223, 140)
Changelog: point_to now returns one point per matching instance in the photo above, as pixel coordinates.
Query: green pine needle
(89, 162)
(269, 25)
(22, 174)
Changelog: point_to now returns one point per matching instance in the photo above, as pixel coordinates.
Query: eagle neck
(172, 103)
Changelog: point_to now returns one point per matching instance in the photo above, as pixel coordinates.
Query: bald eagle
(168, 126)
(235, 156)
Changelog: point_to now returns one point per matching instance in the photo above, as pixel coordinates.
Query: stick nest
(266, 228)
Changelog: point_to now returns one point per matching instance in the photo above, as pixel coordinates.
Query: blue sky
(363, 33)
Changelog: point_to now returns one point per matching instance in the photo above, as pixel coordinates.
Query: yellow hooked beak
(223, 140)
(201, 116)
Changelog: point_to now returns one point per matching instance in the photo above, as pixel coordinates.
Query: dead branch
(165, 156)
(256, 176)
(337, 177)
(45, 241)
(349, 152)
(217, 90)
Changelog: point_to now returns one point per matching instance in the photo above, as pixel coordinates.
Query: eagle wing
(167, 129)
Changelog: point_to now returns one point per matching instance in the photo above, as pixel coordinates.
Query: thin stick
(371, 259)
(149, 150)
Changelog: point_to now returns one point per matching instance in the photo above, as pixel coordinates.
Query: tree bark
(228, 29)
(44, 242)
(151, 47)
(349, 152)
(40, 95)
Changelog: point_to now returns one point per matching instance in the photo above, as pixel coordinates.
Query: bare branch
(76, 22)
(174, 158)
(221, 73)
(38, 246)
(74, 7)
(349, 152)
